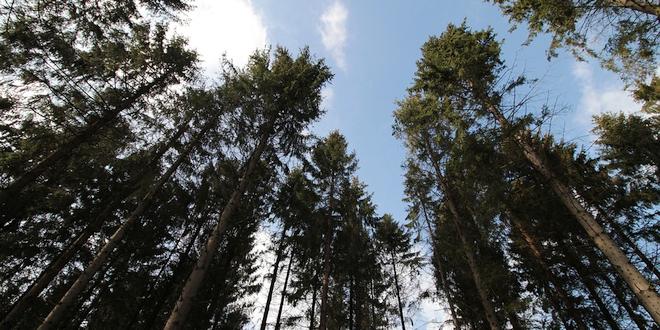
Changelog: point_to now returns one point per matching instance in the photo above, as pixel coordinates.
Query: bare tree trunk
(183, 304)
(311, 316)
(327, 241)
(273, 279)
(51, 271)
(278, 323)
(398, 293)
(537, 252)
(640, 286)
(65, 150)
(350, 304)
(55, 315)
(441, 272)
(643, 6)
(489, 310)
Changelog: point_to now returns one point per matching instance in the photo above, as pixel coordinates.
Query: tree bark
(51, 271)
(273, 279)
(640, 286)
(643, 6)
(398, 293)
(194, 281)
(327, 241)
(489, 310)
(55, 315)
(278, 324)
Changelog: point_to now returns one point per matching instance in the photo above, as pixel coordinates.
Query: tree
(628, 27)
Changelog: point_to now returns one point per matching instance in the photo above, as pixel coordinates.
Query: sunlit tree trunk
(194, 281)
(640, 286)
(327, 241)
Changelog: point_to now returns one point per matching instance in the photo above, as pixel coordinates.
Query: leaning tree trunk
(273, 278)
(398, 293)
(327, 241)
(489, 310)
(278, 323)
(640, 286)
(65, 150)
(535, 248)
(642, 6)
(194, 281)
(441, 271)
(55, 315)
(54, 268)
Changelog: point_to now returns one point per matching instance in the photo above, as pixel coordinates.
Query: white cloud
(327, 97)
(600, 96)
(334, 33)
(231, 27)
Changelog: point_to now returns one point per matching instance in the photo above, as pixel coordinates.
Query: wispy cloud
(334, 33)
(229, 27)
(600, 96)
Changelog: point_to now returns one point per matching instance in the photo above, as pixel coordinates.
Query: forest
(134, 191)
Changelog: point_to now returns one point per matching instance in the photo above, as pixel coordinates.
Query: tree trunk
(441, 272)
(273, 279)
(194, 281)
(311, 316)
(621, 233)
(65, 150)
(643, 6)
(55, 315)
(51, 271)
(636, 281)
(278, 323)
(350, 304)
(327, 241)
(536, 250)
(398, 293)
(489, 310)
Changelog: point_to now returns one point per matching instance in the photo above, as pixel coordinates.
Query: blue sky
(372, 47)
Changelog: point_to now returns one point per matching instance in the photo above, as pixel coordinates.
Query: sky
(371, 47)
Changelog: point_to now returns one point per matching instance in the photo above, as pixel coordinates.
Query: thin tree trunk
(441, 272)
(537, 252)
(69, 298)
(640, 286)
(278, 323)
(65, 150)
(621, 233)
(327, 241)
(194, 281)
(489, 310)
(643, 6)
(398, 293)
(273, 279)
(311, 316)
(350, 304)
